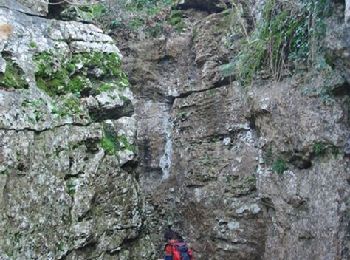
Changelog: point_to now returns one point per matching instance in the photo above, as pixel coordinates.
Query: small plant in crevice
(175, 19)
(68, 106)
(113, 143)
(71, 186)
(108, 143)
(319, 149)
(279, 166)
(124, 144)
(33, 45)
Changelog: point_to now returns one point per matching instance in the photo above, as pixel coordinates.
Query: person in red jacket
(176, 248)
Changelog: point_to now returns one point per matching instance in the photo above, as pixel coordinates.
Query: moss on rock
(58, 75)
(13, 77)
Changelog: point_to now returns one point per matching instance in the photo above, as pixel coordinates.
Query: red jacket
(170, 250)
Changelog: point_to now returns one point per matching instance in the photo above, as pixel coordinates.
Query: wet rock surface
(222, 143)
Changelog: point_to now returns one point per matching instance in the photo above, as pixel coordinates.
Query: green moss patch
(58, 75)
(108, 143)
(37, 107)
(13, 77)
(176, 20)
(69, 106)
(112, 143)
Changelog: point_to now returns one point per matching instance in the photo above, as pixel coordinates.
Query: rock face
(93, 167)
(67, 191)
(254, 173)
(33, 7)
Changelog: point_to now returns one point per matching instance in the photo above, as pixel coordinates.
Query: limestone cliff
(67, 138)
(245, 164)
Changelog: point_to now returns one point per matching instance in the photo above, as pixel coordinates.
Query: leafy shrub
(288, 33)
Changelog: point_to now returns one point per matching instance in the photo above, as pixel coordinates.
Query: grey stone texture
(63, 195)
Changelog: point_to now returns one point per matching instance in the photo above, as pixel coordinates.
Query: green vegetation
(153, 17)
(104, 87)
(109, 141)
(319, 149)
(175, 19)
(123, 143)
(274, 160)
(58, 75)
(33, 45)
(279, 166)
(108, 144)
(288, 35)
(112, 142)
(13, 77)
(87, 13)
(71, 184)
(37, 106)
(151, 7)
(69, 106)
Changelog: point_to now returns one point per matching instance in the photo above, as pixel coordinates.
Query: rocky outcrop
(198, 153)
(33, 7)
(248, 169)
(67, 135)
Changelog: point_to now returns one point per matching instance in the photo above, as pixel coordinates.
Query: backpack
(181, 251)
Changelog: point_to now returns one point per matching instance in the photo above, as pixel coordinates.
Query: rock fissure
(38, 131)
